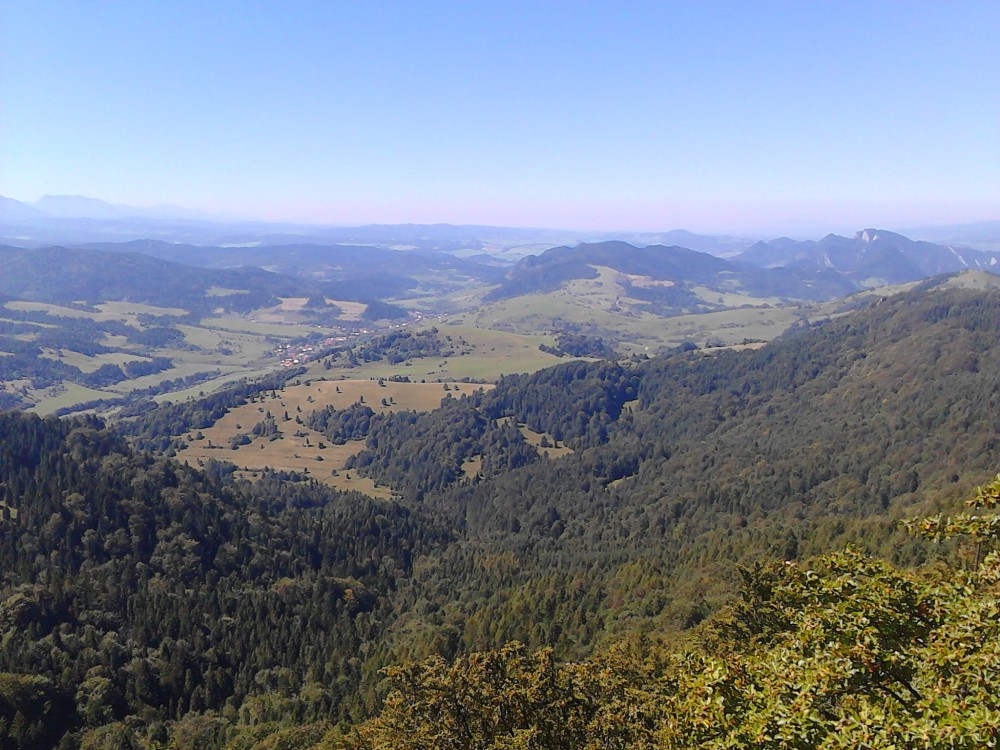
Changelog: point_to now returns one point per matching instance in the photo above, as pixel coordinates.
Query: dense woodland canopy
(144, 603)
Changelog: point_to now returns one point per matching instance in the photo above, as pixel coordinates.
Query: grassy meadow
(304, 450)
(495, 353)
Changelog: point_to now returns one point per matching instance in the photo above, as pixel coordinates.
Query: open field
(129, 311)
(222, 349)
(299, 451)
(238, 324)
(289, 311)
(504, 336)
(28, 322)
(494, 353)
(65, 312)
(462, 299)
(50, 400)
(546, 445)
(124, 311)
(598, 305)
(729, 327)
(299, 448)
(350, 311)
(236, 348)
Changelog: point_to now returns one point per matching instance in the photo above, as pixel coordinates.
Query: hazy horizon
(787, 117)
(799, 230)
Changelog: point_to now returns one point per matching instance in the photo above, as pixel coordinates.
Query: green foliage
(400, 346)
(153, 592)
(510, 698)
(422, 453)
(845, 652)
(982, 530)
(341, 425)
(579, 345)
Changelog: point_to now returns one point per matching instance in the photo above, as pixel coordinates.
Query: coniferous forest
(727, 557)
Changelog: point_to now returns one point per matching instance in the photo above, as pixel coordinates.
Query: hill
(691, 463)
(663, 277)
(650, 298)
(60, 275)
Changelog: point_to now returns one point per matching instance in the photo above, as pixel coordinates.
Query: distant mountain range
(664, 273)
(658, 279)
(395, 271)
(983, 235)
(14, 211)
(872, 257)
(804, 270)
(75, 220)
(81, 207)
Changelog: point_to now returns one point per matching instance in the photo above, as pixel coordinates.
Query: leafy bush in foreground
(844, 652)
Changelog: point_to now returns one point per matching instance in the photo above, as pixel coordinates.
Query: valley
(259, 496)
(212, 325)
(499, 376)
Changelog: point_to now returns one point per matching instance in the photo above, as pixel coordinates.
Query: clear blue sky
(613, 115)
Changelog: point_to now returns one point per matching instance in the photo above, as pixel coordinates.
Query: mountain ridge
(61, 275)
(681, 267)
(870, 256)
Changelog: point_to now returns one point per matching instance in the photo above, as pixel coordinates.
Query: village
(298, 353)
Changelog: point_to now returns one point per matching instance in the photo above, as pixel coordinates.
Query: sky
(709, 116)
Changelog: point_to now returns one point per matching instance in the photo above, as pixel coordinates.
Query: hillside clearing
(299, 448)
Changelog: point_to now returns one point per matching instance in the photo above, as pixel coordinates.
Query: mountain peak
(13, 210)
(868, 236)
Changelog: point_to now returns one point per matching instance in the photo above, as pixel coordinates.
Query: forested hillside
(144, 603)
(687, 465)
(842, 652)
(138, 588)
